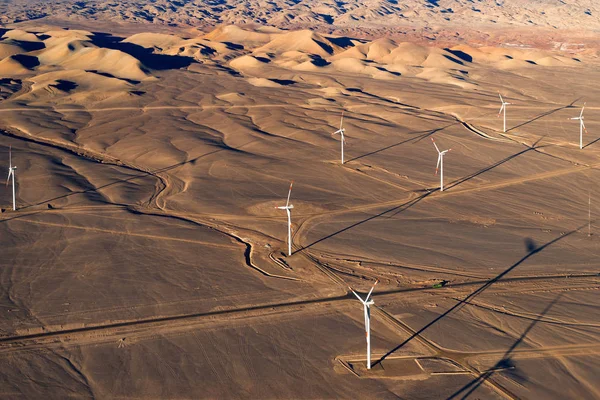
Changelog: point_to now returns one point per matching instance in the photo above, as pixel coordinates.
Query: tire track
(123, 233)
(188, 321)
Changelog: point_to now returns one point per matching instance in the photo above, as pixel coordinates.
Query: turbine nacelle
(440, 155)
(367, 301)
(503, 107)
(341, 131)
(287, 209)
(582, 127)
(581, 117)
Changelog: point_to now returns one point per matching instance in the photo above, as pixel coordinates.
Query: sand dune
(63, 83)
(80, 54)
(250, 51)
(108, 61)
(11, 66)
(21, 35)
(8, 48)
(235, 34)
(161, 42)
(304, 41)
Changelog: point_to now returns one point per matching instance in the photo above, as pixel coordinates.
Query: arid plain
(147, 259)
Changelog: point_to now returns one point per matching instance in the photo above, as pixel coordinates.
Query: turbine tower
(367, 310)
(11, 173)
(581, 126)
(503, 108)
(287, 208)
(440, 164)
(341, 131)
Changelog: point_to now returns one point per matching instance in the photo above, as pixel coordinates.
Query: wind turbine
(440, 164)
(367, 309)
(11, 172)
(581, 126)
(341, 131)
(503, 108)
(287, 208)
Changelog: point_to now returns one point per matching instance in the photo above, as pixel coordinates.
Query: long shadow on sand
(545, 114)
(532, 248)
(397, 209)
(505, 362)
(415, 139)
(591, 143)
(457, 182)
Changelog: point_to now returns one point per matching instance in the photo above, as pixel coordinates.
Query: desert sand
(147, 258)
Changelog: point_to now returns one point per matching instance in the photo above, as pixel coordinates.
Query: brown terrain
(147, 258)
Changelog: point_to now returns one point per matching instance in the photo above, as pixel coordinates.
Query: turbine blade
(438, 163)
(10, 171)
(501, 109)
(357, 296)
(371, 291)
(582, 108)
(501, 99)
(10, 156)
(342, 121)
(289, 194)
(438, 150)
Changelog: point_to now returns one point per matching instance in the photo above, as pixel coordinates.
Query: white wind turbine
(440, 164)
(341, 131)
(503, 108)
(367, 309)
(11, 172)
(287, 208)
(581, 126)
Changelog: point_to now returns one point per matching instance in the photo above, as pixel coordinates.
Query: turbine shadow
(17, 216)
(422, 136)
(533, 249)
(505, 361)
(591, 143)
(397, 209)
(457, 182)
(545, 114)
